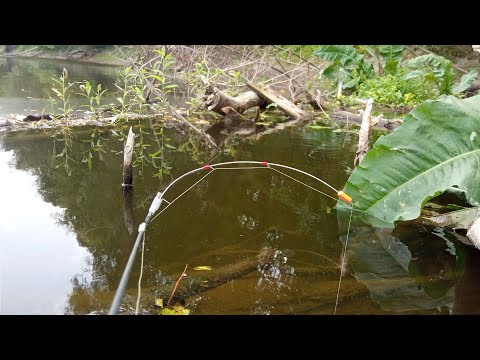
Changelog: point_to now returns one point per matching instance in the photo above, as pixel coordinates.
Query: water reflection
(225, 220)
(25, 83)
(38, 254)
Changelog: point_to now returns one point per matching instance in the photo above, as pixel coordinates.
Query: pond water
(25, 83)
(65, 236)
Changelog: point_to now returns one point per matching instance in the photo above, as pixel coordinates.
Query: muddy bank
(73, 53)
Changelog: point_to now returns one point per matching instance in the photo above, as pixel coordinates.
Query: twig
(176, 285)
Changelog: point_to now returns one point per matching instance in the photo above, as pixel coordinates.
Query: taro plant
(382, 73)
(398, 175)
(439, 71)
(347, 66)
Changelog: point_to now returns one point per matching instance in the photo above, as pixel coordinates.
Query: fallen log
(285, 105)
(199, 283)
(473, 233)
(383, 124)
(460, 219)
(215, 100)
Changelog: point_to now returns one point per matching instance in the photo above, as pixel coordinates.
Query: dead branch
(284, 104)
(215, 100)
(365, 131)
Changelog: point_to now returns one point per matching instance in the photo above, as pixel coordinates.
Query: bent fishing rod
(159, 198)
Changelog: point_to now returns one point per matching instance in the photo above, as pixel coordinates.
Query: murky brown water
(64, 240)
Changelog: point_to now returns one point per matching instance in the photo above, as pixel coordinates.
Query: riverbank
(85, 53)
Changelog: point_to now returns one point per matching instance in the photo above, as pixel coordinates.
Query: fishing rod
(159, 198)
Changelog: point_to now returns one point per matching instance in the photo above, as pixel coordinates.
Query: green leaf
(436, 147)
(335, 72)
(168, 146)
(465, 82)
(351, 83)
(391, 52)
(176, 310)
(89, 162)
(202, 268)
(159, 302)
(345, 54)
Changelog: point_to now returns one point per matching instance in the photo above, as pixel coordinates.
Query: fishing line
(140, 277)
(311, 187)
(179, 196)
(157, 201)
(343, 260)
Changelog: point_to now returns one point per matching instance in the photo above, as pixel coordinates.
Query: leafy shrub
(396, 90)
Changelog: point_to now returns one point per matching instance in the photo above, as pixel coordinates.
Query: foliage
(391, 52)
(305, 51)
(436, 148)
(396, 82)
(465, 82)
(393, 90)
(96, 146)
(92, 96)
(439, 71)
(348, 66)
(63, 92)
(175, 310)
(63, 135)
(202, 73)
(147, 84)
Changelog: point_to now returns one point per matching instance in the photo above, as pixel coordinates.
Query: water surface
(65, 236)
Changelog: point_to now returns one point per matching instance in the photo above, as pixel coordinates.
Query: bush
(395, 90)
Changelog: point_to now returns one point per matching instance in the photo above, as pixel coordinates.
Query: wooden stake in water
(127, 159)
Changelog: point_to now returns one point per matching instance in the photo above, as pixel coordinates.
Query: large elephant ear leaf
(465, 82)
(344, 54)
(391, 52)
(437, 147)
